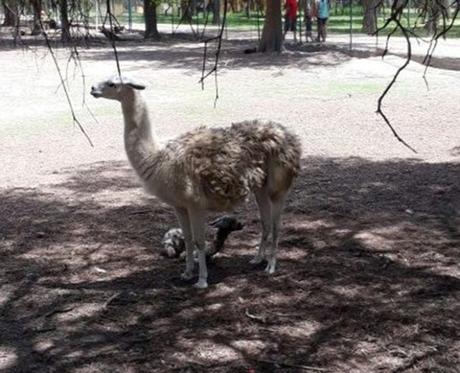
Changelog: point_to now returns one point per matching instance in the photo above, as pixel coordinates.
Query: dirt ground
(368, 277)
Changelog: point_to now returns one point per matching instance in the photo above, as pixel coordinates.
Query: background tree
(186, 9)
(37, 9)
(272, 35)
(216, 12)
(370, 8)
(150, 19)
(65, 24)
(434, 11)
(10, 10)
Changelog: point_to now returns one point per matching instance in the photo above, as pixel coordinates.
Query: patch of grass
(339, 22)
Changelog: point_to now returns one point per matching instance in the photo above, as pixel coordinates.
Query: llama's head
(116, 88)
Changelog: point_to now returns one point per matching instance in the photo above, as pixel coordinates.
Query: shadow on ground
(368, 277)
(183, 51)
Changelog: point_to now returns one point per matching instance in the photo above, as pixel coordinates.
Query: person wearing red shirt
(290, 17)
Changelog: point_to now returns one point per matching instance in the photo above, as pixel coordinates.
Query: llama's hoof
(256, 260)
(270, 268)
(186, 276)
(201, 284)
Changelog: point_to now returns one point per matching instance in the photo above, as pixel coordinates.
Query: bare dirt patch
(368, 275)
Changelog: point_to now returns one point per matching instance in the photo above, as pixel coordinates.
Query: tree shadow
(368, 277)
(183, 50)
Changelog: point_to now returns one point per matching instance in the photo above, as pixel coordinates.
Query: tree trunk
(272, 35)
(436, 10)
(186, 9)
(10, 9)
(370, 16)
(216, 12)
(260, 5)
(37, 8)
(65, 24)
(150, 19)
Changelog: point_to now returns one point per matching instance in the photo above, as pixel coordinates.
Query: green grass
(339, 22)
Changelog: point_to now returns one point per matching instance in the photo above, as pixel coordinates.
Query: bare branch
(110, 17)
(395, 17)
(214, 69)
(69, 101)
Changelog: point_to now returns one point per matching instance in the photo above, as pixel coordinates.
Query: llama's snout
(95, 93)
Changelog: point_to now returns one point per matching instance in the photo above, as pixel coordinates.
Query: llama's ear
(136, 85)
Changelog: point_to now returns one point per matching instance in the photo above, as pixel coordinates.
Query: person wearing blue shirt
(322, 14)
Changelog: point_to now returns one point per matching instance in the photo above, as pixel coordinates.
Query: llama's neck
(140, 143)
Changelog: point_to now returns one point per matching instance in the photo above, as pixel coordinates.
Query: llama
(174, 244)
(209, 169)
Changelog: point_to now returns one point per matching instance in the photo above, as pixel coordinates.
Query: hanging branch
(219, 38)
(66, 91)
(111, 35)
(187, 9)
(396, 12)
(206, 20)
(77, 59)
(393, 81)
(395, 17)
(435, 39)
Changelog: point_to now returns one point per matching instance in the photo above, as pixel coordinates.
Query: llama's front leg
(184, 222)
(265, 210)
(197, 219)
(277, 208)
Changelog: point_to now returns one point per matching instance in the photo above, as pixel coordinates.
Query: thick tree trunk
(65, 24)
(10, 9)
(37, 8)
(186, 9)
(150, 19)
(216, 12)
(272, 35)
(261, 5)
(436, 10)
(370, 16)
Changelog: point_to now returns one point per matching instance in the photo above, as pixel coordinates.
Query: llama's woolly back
(228, 163)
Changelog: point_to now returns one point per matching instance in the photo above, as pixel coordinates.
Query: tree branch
(395, 17)
(66, 91)
(214, 69)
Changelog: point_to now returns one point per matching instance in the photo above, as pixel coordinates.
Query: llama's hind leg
(277, 209)
(265, 210)
(197, 220)
(184, 222)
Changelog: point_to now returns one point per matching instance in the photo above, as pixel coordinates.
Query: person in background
(322, 14)
(308, 20)
(290, 18)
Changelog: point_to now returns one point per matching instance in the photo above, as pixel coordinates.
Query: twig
(261, 319)
(138, 212)
(186, 11)
(112, 39)
(69, 101)
(397, 9)
(58, 310)
(434, 43)
(385, 51)
(44, 330)
(392, 82)
(205, 24)
(414, 359)
(110, 300)
(289, 365)
(219, 38)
